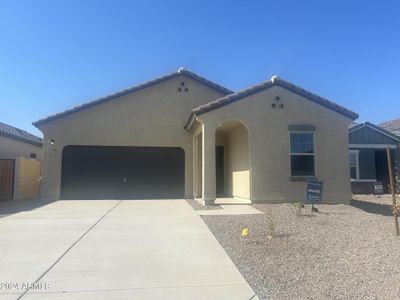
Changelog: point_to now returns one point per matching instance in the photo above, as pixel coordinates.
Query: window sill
(302, 178)
(363, 180)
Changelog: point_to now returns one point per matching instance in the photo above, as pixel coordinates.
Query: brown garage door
(97, 172)
(6, 178)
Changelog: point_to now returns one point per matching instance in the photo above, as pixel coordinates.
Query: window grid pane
(302, 142)
(353, 160)
(302, 165)
(302, 161)
(353, 173)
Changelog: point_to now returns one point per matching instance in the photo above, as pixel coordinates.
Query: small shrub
(270, 224)
(298, 208)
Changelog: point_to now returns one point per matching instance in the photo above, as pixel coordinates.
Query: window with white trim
(354, 165)
(302, 154)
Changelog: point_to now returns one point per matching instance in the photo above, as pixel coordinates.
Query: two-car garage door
(107, 172)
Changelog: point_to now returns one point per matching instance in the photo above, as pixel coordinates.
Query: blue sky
(57, 54)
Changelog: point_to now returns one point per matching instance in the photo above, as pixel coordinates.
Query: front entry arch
(232, 160)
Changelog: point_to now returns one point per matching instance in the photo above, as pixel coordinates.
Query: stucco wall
(154, 116)
(238, 162)
(11, 149)
(20, 151)
(269, 144)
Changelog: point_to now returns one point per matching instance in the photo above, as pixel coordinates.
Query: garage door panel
(94, 172)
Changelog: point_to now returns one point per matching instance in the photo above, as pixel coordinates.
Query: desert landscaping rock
(342, 252)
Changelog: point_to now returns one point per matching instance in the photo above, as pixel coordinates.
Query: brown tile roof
(393, 126)
(19, 135)
(275, 81)
(181, 71)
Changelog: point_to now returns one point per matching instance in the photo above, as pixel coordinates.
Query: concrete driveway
(112, 249)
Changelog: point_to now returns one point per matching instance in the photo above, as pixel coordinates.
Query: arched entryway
(232, 160)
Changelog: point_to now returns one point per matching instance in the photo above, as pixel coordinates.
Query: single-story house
(20, 157)
(184, 136)
(368, 158)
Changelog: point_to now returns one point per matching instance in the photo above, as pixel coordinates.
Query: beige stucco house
(183, 136)
(20, 156)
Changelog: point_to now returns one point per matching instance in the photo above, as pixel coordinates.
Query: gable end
(368, 133)
(147, 84)
(275, 81)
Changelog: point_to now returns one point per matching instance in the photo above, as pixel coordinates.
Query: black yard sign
(378, 188)
(314, 191)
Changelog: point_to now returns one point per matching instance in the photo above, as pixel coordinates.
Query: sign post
(393, 190)
(314, 193)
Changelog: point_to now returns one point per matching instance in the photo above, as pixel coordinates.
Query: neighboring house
(368, 158)
(183, 136)
(20, 156)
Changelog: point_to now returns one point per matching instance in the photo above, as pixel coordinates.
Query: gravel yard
(342, 252)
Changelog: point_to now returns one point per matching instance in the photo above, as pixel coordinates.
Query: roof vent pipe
(275, 77)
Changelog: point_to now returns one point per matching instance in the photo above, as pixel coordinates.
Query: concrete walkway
(110, 249)
(231, 210)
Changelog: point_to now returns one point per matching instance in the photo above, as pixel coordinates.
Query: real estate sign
(314, 191)
(378, 188)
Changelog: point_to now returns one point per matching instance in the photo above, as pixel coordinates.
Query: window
(302, 160)
(354, 167)
(33, 155)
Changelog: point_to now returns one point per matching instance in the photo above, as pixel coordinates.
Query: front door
(382, 170)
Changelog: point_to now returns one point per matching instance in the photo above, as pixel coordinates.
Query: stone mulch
(342, 252)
